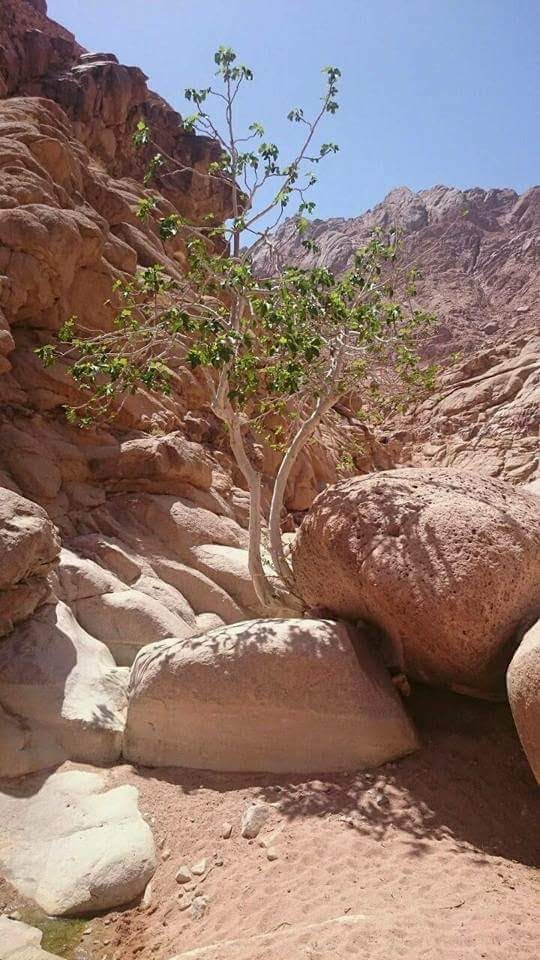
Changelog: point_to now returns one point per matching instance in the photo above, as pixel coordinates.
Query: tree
(277, 352)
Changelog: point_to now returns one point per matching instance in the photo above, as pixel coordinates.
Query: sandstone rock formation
(523, 683)
(271, 695)
(484, 415)
(446, 562)
(61, 695)
(93, 850)
(29, 547)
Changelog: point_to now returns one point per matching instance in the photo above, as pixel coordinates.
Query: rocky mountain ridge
(478, 252)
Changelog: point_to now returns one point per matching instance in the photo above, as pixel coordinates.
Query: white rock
(19, 941)
(199, 906)
(200, 868)
(62, 695)
(532, 487)
(254, 819)
(207, 622)
(73, 848)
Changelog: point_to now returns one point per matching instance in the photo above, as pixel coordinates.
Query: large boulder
(446, 563)
(29, 547)
(268, 695)
(523, 684)
(61, 695)
(29, 543)
(73, 848)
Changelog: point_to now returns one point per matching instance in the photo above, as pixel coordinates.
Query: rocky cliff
(479, 256)
(478, 252)
(150, 509)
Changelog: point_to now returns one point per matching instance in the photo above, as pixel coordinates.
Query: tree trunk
(299, 441)
(253, 480)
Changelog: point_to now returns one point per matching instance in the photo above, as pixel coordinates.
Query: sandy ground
(430, 857)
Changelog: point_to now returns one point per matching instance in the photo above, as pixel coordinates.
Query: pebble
(272, 854)
(226, 830)
(166, 854)
(183, 875)
(254, 818)
(199, 907)
(200, 868)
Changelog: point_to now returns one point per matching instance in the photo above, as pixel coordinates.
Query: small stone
(146, 900)
(184, 904)
(319, 786)
(226, 830)
(199, 907)
(183, 875)
(166, 854)
(14, 915)
(218, 861)
(254, 818)
(200, 868)
(272, 854)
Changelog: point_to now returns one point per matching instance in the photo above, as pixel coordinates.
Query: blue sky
(433, 91)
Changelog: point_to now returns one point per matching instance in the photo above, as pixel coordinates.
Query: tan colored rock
(29, 547)
(485, 414)
(228, 567)
(128, 620)
(29, 543)
(80, 578)
(272, 695)
(447, 563)
(19, 602)
(523, 685)
(205, 596)
(168, 596)
(111, 554)
(93, 850)
(61, 693)
(155, 463)
(254, 818)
